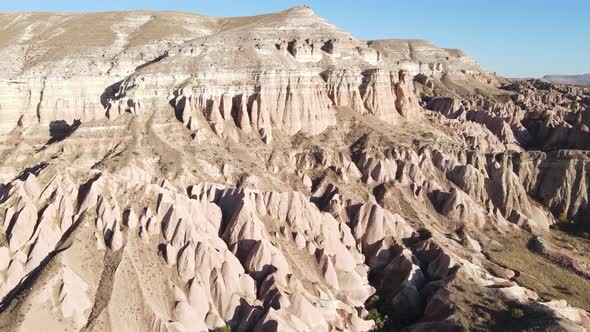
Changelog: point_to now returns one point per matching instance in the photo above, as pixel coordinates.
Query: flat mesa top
(120, 43)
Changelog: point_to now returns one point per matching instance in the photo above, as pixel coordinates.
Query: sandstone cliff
(176, 172)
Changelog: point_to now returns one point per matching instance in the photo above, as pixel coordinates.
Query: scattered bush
(562, 217)
(223, 329)
(517, 313)
(375, 316)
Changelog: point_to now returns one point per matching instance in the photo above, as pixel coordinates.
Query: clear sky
(516, 38)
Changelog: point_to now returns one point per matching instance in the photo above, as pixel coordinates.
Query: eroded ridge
(177, 172)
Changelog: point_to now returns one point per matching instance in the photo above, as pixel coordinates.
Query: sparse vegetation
(517, 313)
(376, 316)
(543, 276)
(223, 329)
(573, 228)
(562, 217)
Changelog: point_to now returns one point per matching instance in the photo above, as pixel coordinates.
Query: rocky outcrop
(176, 172)
(281, 80)
(558, 180)
(223, 276)
(528, 114)
(288, 101)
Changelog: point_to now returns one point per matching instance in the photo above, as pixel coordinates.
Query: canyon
(164, 171)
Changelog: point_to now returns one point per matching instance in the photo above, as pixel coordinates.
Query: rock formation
(177, 172)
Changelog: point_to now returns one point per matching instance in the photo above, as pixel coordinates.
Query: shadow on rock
(518, 317)
(109, 93)
(60, 130)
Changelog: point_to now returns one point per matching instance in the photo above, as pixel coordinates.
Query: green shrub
(375, 316)
(223, 329)
(562, 217)
(517, 313)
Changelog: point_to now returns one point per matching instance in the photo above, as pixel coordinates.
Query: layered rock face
(282, 71)
(176, 172)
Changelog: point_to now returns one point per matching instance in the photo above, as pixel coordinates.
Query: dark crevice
(109, 93)
(151, 62)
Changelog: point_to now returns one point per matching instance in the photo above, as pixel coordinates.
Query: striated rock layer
(176, 172)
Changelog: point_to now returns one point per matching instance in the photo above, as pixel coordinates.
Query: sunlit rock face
(176, 172)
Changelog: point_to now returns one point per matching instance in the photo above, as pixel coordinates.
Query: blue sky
(516, 38)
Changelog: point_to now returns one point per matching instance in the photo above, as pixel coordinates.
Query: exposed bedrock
(296, 74)
(243, 257)
(35, 101)
(287, 100)
(530, 114)
(559, 180)
(177, 172)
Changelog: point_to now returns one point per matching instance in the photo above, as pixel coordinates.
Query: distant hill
(569, 79)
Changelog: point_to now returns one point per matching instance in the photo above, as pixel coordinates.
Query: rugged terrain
(176, 172)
